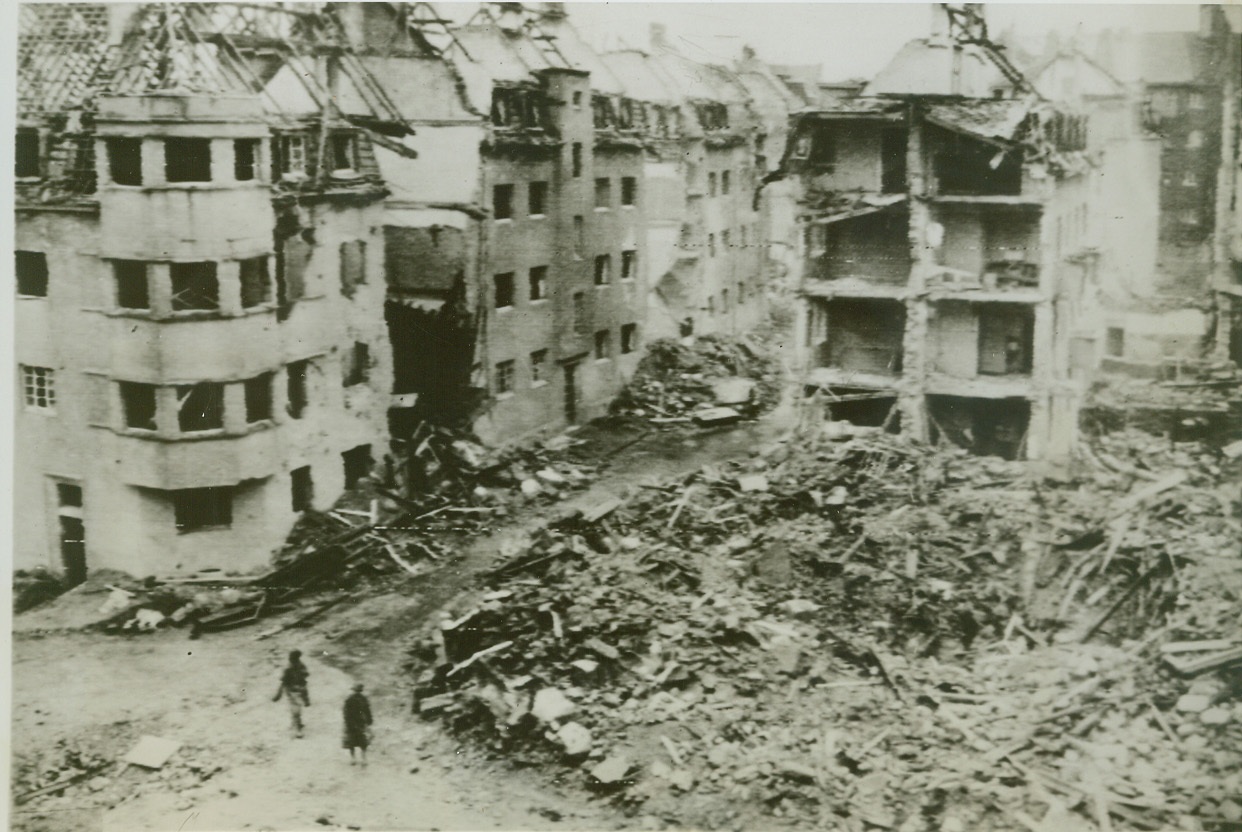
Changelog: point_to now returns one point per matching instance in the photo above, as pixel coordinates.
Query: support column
(911, 399)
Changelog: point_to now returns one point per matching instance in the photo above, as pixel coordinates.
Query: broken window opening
(603, 193)
(139, 403)
(258, 394)
(603, 345)
(31, 267)
(296, 389)
(357, 364)
(506, 372)
(344, 152)
(187, 160)
(194, 287)
(987, 427)
(256, 284)
(125, 161)
(353, 257)
(502, 202)
(504, 290)
(539, 283)
(245, 159)
(579, 237)
(629, 264)
(576, 159)
(196, 509)
(68, 495)
(863, 406)
(291, 159)
(26, 154)
(538, 367)
(1005, 339)
(39, 386)
(357, 462)
(629, 190)
(966, 167)
(302, 488)
(725, 181)
(603, 270)
(200, 407)
(859, 334)
(130, 277)
(537, 199)
(629, 338)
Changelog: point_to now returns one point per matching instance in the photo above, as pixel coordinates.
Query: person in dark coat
(357, 724)
(293, 687)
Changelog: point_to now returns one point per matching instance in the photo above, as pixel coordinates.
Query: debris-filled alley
(648, 437)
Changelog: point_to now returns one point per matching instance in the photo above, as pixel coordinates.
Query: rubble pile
(1203, 403)
(675, 381)
(873, 633)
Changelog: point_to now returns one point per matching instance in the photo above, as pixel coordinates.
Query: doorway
(72, 532)
(571, 392)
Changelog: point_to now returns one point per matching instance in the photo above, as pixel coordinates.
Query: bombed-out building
(200, 286)
(949, 251)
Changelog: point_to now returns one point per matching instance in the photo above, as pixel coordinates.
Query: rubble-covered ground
(876, 634)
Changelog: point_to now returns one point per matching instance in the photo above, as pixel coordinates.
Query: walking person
(293, 686)
(357, 714)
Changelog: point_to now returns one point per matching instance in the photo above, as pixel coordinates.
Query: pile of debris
(716, 379)
(871, 632)
(1203, 402)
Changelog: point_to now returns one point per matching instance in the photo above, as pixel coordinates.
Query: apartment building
(1227, 279)
(947, 253)
(199, 307)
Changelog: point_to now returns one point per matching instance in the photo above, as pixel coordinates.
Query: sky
(848, 39)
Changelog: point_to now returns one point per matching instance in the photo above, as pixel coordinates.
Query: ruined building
(200, 296)
(1227, 279)
(950, 250)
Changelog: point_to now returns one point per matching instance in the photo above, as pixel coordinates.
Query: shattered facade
(951, 247)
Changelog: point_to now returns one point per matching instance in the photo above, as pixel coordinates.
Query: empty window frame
(31, 268)
(629, 338)
(39, 387)
(579, 237)
(26, 154)
(256, 283)
(245, 159)
(130, 278)
(187, 160)
(576, 159)
(292, 157)
(194, 286)
(503, 289)
(502, 202)
(537, 199)
(302, 488)
(344, 147)
(725, 181)
(125, 161)
(538, 367)
(603, 345)
(353, 257)
(138, 403)
(195, 509)
(603, 192)
(200, 407)
(258, 394)
(603, 270)
(629, 190)
(539, 283)
(629, 264)
(503, 380)
(357, 463)
(296, 388)
(357, 364)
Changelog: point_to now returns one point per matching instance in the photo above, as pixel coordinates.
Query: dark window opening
(603, 193)
(726, 183)
(579, 237)
(131, 284)
(139, 403)
(302, 488)
(200, 407)
(256, 284)
(1006, 333)
(987, 427)
(296, 392)
(194, 286)
(69, 495)
(125, 161)
(245, 159)
(862, 335)
(603, 270)
(893, 161)
(1115, 343)
(31, 269)
(538, 366)
(968, 167)
(357, 464)
(629, 338)
(258, 398)
(506, 373)
(576, 159)
(26, 154)
(539, 283)
(502, 202)
(629, 190)
(504, 290)
(863, 406)
(357, 364)
(187, 160)
(203, 508)
(580, 321)
(603, 345)
(711, 183)
(538, 198)
(353, 266)
(629, 264)
(291, 157)
(344, 152)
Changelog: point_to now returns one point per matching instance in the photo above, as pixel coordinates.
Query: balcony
(205, 462)
(194, 348)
